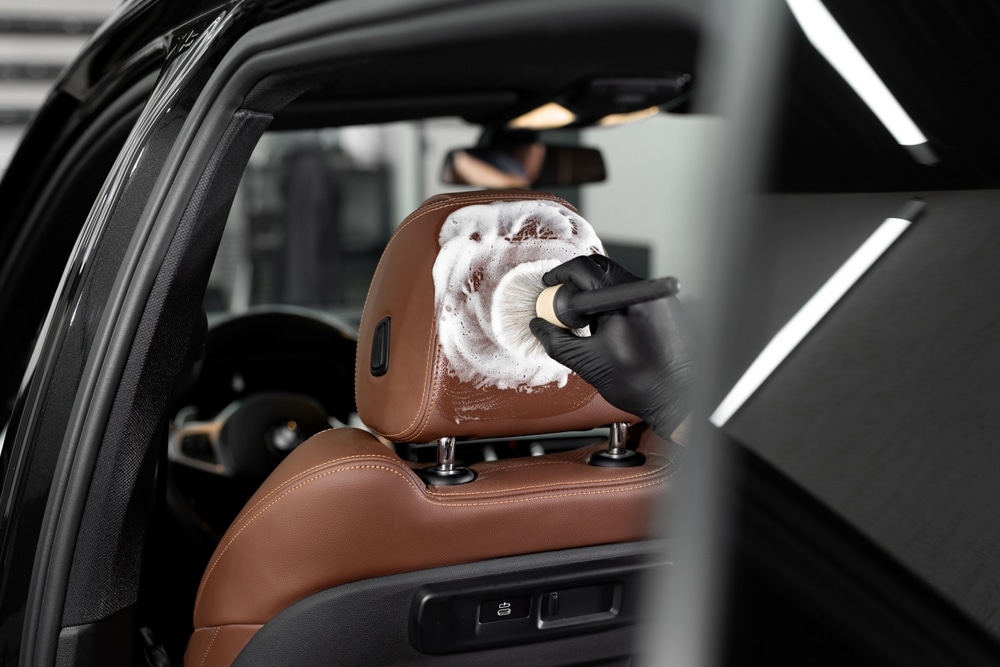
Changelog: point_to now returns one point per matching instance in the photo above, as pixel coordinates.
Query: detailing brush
(520, 296)
(570, 308)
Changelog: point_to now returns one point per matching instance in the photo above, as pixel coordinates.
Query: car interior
(284, 471)
(275, 363)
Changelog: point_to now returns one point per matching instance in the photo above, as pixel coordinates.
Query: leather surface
(418, 399)
(342, 508)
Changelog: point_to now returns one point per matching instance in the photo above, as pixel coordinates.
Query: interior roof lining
(314, 113)
(460, 68)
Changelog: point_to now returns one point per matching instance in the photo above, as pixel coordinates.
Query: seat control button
(579, 603)
(504, 610)
(550, 605)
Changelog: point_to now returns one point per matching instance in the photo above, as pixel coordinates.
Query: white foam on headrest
(489, 254)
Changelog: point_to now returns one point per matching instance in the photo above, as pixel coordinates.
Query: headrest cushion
(448, 310)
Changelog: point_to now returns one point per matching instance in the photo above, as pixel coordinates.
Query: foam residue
(491, 259)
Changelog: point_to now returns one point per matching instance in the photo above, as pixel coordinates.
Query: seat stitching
(532, 464)
(420, 212)
(303, 473)
(649, 473)
(515, 489)
(504, 468)
(661, 475)
(420, 492)
(574, 457)
(247, 522)
(465, 201)
(208, 649)
(561, 495)
(423, 396)
(423, 412)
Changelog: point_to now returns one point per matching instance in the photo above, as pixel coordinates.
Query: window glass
(310, 219)
(316, 207)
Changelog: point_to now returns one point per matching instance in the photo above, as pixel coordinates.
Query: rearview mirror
(523, 165)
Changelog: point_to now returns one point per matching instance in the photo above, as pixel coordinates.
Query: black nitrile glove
(638, 358)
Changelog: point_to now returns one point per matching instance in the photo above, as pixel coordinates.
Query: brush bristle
(513, 306)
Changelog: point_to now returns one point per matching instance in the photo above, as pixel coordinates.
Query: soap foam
(489, 252)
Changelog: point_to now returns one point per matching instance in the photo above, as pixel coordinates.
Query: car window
(309, 222)
(316, 207)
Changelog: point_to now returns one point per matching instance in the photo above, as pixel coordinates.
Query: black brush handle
(575, 308)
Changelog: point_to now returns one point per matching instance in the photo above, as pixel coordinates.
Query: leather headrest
(444, 347)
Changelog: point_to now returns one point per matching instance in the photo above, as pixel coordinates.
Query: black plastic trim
(448, 618)
(101, 640)
(369, 622)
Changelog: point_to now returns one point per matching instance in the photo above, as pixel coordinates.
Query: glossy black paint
(35, 241)
(145, 36)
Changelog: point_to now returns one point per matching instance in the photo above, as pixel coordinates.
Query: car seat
(349, 554)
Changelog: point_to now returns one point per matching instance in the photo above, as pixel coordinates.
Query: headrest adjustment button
(380, 348)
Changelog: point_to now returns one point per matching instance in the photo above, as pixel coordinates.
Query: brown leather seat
(344, 507)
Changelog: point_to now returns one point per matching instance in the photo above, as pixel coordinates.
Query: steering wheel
(267, 381)
(250, 436)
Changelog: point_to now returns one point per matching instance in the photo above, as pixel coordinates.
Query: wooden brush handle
(568, 307)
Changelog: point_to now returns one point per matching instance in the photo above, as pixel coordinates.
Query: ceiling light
(546, 117)
(833, 43)
(814, 310)
(628, 117)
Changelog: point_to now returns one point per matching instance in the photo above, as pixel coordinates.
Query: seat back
(344, 510)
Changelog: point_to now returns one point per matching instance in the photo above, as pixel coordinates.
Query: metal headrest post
(445, 472)
(617, 455)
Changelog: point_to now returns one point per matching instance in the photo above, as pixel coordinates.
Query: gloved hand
(638, 358)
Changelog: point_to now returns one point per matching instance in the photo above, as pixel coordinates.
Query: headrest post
(446, 454)
(616, 439)
(617, 455)
(445, 472)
